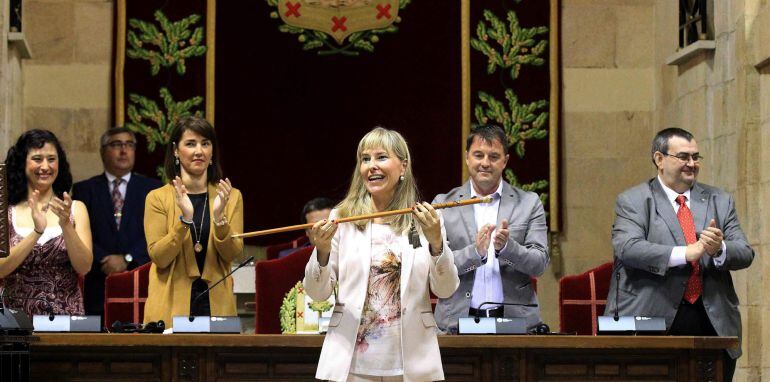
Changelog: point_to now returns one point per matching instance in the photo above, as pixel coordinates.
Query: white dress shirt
(487, 285)
(678, 258)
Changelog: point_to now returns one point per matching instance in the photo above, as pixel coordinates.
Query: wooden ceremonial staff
(402, 211)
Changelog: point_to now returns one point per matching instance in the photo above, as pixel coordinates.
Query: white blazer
(349, 264)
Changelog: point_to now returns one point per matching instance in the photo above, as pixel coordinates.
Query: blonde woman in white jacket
(382, 327)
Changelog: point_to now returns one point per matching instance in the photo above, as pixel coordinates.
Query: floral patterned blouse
(46, 274)
(378, 344)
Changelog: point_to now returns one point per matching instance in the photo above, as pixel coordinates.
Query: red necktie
(694, 283)
(117, 201)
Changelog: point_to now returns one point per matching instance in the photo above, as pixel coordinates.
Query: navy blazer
(107, 239)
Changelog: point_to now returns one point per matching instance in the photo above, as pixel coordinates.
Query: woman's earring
(176, 161)
(211, 162)
(401, 178)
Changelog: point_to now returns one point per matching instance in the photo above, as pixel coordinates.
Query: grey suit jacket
(646, 230)
(525, 254)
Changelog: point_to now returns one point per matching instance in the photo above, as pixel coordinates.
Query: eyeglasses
(130, 145)
(685, 157)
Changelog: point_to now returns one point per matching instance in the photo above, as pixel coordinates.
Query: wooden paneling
(226, 358)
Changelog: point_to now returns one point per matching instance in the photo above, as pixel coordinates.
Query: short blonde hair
(359, 202)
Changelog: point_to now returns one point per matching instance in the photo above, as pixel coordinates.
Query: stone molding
(17, 40)
(689, 52)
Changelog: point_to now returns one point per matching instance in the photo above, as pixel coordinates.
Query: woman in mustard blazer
(382, 327)
(189, 224)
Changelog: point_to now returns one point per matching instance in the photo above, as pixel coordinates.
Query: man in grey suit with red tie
(498, 246)
(115, 202)
(675, 242)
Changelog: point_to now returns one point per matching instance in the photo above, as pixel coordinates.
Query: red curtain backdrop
(137, 77)
(290, 120)
(532, 84)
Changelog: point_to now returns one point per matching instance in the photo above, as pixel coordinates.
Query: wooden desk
(185, 357)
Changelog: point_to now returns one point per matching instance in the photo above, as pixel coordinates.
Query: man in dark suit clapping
(115, 202)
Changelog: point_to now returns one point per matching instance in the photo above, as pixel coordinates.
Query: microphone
(628, 324)
(205, 292)
(13, 321)
(477, 318)
(616, 317)
(488, 325)
(48, 305)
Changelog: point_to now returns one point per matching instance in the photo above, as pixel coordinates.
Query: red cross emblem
(593, 302)
(339, 24)
(292, 9)
(383, 11)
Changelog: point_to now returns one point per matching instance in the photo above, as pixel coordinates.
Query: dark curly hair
(16, 160)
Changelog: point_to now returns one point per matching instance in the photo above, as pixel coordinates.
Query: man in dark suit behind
(664, 268)
(315, 210)
(115, 202)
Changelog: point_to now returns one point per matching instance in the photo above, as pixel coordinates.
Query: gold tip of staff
(456, 203)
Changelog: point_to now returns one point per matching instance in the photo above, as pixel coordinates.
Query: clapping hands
(62, 209)
(182, 199)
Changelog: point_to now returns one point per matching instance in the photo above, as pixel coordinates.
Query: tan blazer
(349, 263)
(174, 269)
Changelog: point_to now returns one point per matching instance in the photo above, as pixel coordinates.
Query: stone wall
(67, 85)
(718, 95)
(618, 91)
(751, 24)
(607, 124)
(11, 55)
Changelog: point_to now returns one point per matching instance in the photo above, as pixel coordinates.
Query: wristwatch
(128, 258)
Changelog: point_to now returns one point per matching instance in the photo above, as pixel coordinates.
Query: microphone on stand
(477, 318)
(617, 324)
(191, 318)
(2, 301)
(617, 295)
(13, 321)
(17, 320)
(48, 305)
(493, 325)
